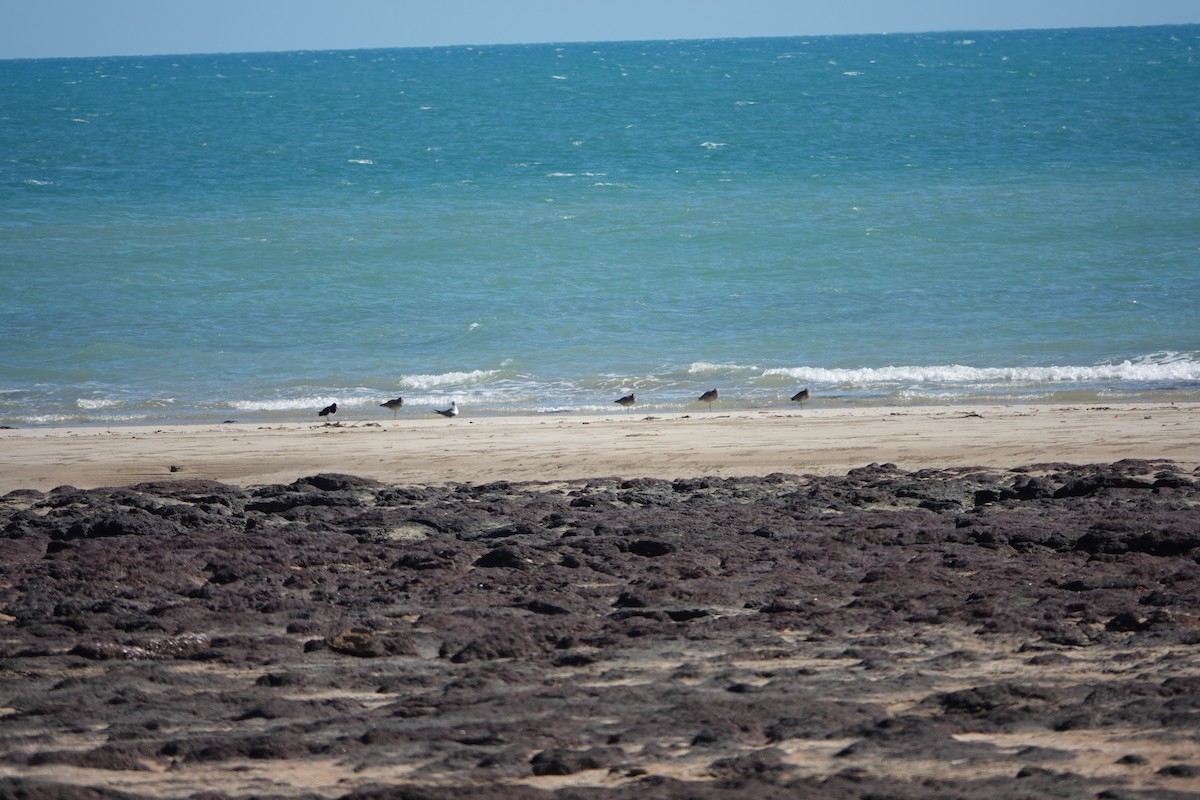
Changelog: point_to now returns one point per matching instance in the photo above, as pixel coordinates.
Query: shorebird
(626, 401)
(800, 397)
(327, 410)
(708, 397)
(393, 405)
(452, 411)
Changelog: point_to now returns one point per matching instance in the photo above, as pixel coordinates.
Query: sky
(70, 28)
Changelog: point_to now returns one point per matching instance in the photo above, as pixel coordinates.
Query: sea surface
(888, 220)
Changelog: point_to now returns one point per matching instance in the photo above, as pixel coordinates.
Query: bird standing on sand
(626, 401)
(708, 397)
(452, 411)
(800, 397)
(393, 405)
(327, 410)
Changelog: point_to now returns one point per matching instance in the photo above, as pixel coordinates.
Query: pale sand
(727, 443)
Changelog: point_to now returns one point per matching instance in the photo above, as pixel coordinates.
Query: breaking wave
(1157, 368)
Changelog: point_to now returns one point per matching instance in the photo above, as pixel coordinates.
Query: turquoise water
(894, 219)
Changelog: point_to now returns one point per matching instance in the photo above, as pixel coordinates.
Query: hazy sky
(48, 28)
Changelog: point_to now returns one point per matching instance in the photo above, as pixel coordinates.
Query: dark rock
(365, 643)
(1180, 771)
(504, 557)
(121, 523)
(651, 548)
(1133, 760)
(1127, 621)
(336, 482)
(500, 643)
(429, 639)
(569, 762)
(542, 607)
(755, 764)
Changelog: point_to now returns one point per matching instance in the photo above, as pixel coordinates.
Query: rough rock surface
(972, 633)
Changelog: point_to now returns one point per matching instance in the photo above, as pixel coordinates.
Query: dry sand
(727, 443)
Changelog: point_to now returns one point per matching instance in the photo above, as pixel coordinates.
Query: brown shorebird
(393, 405)
(626, 401)
(800, 397)
(708, 397)
(327, 410)
(452, 411)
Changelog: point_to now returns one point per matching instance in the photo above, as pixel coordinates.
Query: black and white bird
(327, 410)
(709, 397)
(800, 397)
(452, 411)
(393, 405)
(626, 401)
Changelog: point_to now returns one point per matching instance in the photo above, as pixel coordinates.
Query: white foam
(281, 404)
(96, 403)
(708, 366)
(1154, 368)
(425, 382)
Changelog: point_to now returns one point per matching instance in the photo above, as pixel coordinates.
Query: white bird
(452, 411)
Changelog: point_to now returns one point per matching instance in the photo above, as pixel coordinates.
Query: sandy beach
(916, 603)
(429, 450)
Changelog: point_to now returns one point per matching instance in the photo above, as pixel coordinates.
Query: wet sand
(431, 450)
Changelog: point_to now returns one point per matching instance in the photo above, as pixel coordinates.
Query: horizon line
(561, 42)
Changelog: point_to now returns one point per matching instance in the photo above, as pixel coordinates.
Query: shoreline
(368, 407)
(721, 443)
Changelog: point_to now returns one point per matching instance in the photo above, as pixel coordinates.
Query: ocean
(888, 220)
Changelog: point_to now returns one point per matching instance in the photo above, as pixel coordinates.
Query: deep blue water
(892, 219)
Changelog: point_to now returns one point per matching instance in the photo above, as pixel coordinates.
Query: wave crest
(1159, 367)
(708, 366)
(425, 382)
(96, 403)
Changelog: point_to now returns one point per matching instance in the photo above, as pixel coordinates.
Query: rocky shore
(960, 633)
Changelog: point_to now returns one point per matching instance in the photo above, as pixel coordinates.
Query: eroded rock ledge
(947, 633)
